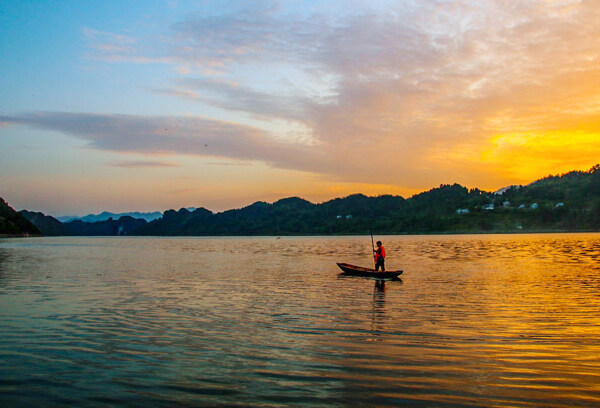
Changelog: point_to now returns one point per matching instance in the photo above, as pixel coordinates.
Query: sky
(152, 105)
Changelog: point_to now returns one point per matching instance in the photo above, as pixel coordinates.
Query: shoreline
(21, 235)
(308, 235)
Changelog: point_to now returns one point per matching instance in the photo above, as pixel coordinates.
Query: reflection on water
(378, 307)
(475, 321)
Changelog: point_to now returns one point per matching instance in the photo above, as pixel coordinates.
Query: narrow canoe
(354, 270)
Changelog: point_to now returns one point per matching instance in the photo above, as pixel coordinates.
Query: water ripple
(476, 321)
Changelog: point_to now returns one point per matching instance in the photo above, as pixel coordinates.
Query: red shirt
(380, 252)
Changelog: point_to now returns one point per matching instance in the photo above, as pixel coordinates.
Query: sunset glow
(219, 104)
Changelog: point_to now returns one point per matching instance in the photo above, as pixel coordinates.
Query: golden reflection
(378, 307)
(490, 320)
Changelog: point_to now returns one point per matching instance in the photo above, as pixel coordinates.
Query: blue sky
(152, 105)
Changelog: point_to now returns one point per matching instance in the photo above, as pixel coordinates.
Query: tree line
(566, 202)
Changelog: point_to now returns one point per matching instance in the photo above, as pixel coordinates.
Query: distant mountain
(13, 223)
(182, 222)
(148, 216)
(123, 226)
(49, 226)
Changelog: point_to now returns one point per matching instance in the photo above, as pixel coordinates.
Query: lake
(476, 321)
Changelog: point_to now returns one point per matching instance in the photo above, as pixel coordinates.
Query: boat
(353, 270)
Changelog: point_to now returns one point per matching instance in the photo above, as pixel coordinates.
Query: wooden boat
(353, 270)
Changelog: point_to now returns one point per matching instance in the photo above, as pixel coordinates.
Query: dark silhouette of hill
(123, 226)
(182, 222)
(354, 214)
(48, 225)
(567, 202)
(14, 224)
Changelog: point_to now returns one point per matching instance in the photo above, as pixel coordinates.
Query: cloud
(400, 93)
(441, 75)
(169, 135)
(109, 45)
(147, 163)
(186, 191)
(232, 96)
(153, 135)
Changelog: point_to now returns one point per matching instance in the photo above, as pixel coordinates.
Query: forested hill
(14, 224)
(569, 202)
(50, 226)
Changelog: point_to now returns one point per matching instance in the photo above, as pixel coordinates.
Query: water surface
(498, 320)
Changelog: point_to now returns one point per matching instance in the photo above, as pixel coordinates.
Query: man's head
(378, 243)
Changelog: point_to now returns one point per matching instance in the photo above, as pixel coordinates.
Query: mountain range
(105, 215)
(567, 202)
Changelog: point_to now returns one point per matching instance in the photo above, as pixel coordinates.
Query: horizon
(192, 208)
(108, 107)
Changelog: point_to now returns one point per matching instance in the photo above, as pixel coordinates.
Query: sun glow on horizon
(527, 156)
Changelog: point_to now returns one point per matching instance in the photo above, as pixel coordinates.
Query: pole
(373, 246)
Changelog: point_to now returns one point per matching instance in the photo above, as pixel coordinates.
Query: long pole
(373, 246)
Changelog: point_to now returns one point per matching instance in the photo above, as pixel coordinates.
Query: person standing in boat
(379, 257)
